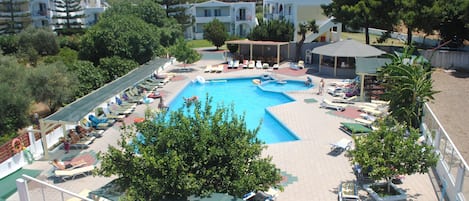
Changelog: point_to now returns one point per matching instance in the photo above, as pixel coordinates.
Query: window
(207, 13)
(217, 12)
(242, 14)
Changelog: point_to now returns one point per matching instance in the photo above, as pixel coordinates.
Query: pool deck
(317, 171)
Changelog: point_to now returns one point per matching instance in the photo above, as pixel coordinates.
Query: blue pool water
(287, 85)
(247, 98)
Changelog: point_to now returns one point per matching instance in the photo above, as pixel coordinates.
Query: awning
(348, 48)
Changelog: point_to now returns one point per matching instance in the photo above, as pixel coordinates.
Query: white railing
(23, 191)
(451, 167)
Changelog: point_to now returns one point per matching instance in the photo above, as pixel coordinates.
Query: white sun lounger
(349, 100)
(72, 173)
(341, 145)
(328, 104)
(208, 69)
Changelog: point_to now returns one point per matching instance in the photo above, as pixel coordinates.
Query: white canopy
(348, 48)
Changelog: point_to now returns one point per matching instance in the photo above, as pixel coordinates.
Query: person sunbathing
(60, 165)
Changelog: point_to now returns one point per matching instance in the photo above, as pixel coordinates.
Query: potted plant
(391, 150)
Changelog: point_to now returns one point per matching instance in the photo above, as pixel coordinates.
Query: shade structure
(346, 48)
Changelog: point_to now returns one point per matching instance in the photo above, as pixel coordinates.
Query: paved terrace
(318, 173)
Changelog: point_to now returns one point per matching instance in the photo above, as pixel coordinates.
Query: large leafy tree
(453, 19)
(417, 15)
(168, 28)
(115, 67)
(125, 36)
(68, 15)
(215, 32)
(391, 150)
(195, 150)
(182, 52)
(273, 30)
(88, 77)
(15, 100)
(363, 14)
(33, 42)
(53, 85)
(408, 86)
(304, 28)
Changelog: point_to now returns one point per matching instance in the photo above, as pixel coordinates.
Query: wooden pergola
(253, 43)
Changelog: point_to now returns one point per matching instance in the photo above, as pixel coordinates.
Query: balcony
(243, 18)
(209, 19)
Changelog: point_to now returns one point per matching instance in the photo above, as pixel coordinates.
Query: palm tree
(303, 29)
(408, 84)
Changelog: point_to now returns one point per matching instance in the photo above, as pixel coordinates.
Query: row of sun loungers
(250, 64)
(214, 69)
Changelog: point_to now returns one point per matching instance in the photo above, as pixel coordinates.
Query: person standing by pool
(321, 87)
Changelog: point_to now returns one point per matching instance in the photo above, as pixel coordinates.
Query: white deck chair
(236, 64)
(349, 100)
(329, 104)
(72, 173)
(208, 69)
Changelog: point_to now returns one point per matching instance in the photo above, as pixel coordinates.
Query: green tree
(391, 150)
(363, 14)
(304, 28)
(195, 150)
(9, 44)
(115, 67)
(15, 100)
(233, 48)
(68, 17)
(168, 28)
(125, 36)
(88, 77)
(177, 10)
(215, 32)
(17, 16)
(184, 53)
(43, 41)
(53, 85)
(66, 55)
(273, 30)
(416, 15)
(453, 21)
(408, 85)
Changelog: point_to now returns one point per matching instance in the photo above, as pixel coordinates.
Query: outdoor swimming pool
(247, 98)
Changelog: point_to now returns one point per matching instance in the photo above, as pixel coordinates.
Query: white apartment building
(239, 17)
(42, 12)
(300, 11)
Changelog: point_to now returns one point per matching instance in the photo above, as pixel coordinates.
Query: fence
(451, 167)
(60, 193)
(447, 59)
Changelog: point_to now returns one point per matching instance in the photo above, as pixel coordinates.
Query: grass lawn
(361, 37)
(202, 43)
(199, 43)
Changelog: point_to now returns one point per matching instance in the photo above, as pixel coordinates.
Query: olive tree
(196, 150)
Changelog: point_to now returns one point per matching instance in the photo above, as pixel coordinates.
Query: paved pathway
(308, 159)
